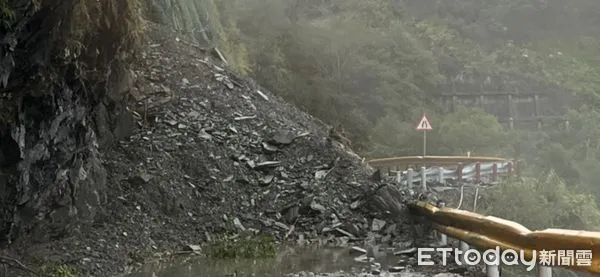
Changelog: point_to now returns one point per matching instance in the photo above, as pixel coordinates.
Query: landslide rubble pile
(216, 152)
(209, 154)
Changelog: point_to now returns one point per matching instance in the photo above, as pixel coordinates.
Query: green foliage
(549, 199)
(246, 246)
(470, 130)
(58, 271)
(228, 38)
(7, 15)
(466, 130)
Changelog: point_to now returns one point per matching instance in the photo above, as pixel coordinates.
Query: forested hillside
(367, 64)
(375, 66)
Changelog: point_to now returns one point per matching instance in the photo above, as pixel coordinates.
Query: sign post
(424, 126)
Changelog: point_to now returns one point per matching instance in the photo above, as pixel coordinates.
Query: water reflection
(289, 260)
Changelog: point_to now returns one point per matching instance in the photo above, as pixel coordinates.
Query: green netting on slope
(198, 18)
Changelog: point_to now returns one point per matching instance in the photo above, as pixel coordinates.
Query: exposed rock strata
(62, 62)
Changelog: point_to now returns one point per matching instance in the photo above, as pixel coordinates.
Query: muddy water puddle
(288, 261)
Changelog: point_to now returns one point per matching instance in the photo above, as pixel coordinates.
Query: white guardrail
(487, 173)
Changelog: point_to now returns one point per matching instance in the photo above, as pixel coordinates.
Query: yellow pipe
(488, 232)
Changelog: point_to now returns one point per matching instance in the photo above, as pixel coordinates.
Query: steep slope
(207, 153)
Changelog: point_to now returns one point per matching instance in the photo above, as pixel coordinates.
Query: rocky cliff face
(64, 79)
(212, 153)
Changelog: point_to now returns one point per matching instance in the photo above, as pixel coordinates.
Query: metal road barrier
(447, 169)
(488, 232)
(405, 162)
(484, 173)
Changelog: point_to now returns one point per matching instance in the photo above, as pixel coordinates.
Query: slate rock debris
(211, 155)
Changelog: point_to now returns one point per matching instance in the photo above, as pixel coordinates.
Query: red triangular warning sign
(424, 125)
